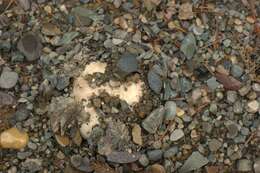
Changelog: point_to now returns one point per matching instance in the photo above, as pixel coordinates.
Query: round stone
(8, 79)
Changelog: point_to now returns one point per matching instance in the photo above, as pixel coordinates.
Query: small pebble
(253, 106)
(155, 155)
(143, 160)
(8, 79)
(177, 135)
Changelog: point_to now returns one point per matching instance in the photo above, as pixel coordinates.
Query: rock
(185, 85)
(67, 38)
(154, 120)
(25, 4)
(257, 165)
(21, 114)
(213, 108)
(194, 162)
(155, 155)
(213, 169)
(8, 79)
(128, 63)
(188, 46)
(244, 165)
(180, 112)
(238, 107)
(253, 106)
(62, 82)
(231, 96)
(229, 82)
(13, 139)
(143, 160)
(185, 11)
(177, 135)
(232, 130)
(137, 134)
(62, 140)
(50, 29)
(6, 99)
(77, 139)
(156, 168)
(32, 165)
(214, 145)
(30, 45)
(122, 157)
(171, 152)
(81, 164)
(154, 80)
(170, 110)
(212, 83)
(82, 16)
(227, 42)
(23, 155)
(236, 71)
(244, 90)
(196, 95)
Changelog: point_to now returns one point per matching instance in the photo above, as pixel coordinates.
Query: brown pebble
(13, 139)
(62, 140)
(156, 168)
(137, 134)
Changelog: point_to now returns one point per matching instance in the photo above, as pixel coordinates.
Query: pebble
(32, 145)
(13, 139)
(232, 130)
(212, 83)
(253, 106)
(23, 155)
(213, 108)
(244, 90)
(170, 110)
(231, 96)
(194, 162)
(32, 165)
(236, 71)
(6, 99)
(128, 63)
(177, 135)
(227, 42)
(238, 107)
(155, 155)
(154, 80)
(185, 11)
(8, 79)
(256, 87)
(137, 134)
(188, 46)
(244, 165)
(171, 152)
(21, 114)
(62, 140)
(143, 160)
(156, 168)
(257, 165)
(30, 45)
(154, 120)
(82, 16)
(214, 145)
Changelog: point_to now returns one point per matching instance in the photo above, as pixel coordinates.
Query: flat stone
(212, 83)
(194, 162)
(155, 155)
(177, 135)
(137, 134)
(143, 160)
(253, 106)
(153, 121)
(171, 152)
(188, 46)
(214, 145)
(244, 165)
(30, 45)
(8, 79)
(128, 63)
(237, 71)
(13, 139)
(170, 110)
(154, 80)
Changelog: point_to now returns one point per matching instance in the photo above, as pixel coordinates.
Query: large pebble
(13, 139)
(244, 165)
(176, 135)
(188, 46)
(170, 110)
(194, 162)
(154, 120)
(8, 79)
(30, 45)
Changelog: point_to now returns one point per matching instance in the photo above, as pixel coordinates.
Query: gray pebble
(236, 71)
(155, 155)
(177, 135)
(244, 165)
(32, 165)
(213, 108)
(23, 155)
(227, 42)
(212, 83)
(257, 165)
(170, 110)
(21, 114)
(214, 145)
(238, 107)
(171, 152)
(231, 96)
(32, 145)
(8, 79)
(143, 160)
(232, 130)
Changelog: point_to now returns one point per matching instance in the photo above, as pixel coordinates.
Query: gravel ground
(129, 86)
